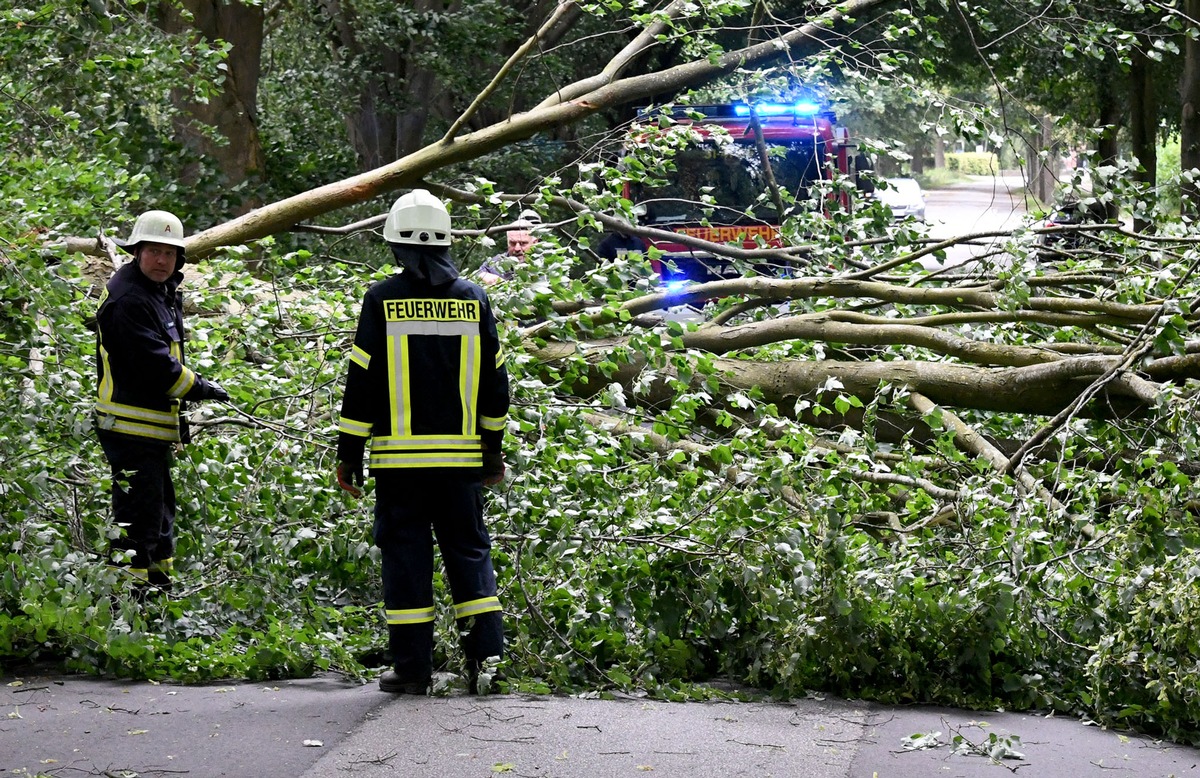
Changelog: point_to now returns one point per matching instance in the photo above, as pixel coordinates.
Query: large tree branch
(559, 14)
(1043, 389)
(283, 215)
(972, 441)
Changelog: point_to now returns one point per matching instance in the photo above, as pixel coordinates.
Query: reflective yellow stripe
(360, 357)
(475, 607)
(500, 357)
(423, 442)
(106, 385)
(115, 424)
(138, 573)
(398, 384)
(165, 418)
(492, 423)
(351, 427)
(469, 381)
(184, 384)
(412, 616)
(164, 565)
(474, 459)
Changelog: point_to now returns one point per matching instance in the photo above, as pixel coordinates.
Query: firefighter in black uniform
(142, 383)
(428, 388)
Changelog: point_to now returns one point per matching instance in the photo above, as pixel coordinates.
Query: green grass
(940, 178)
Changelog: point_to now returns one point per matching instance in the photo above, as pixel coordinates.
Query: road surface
(977, 206)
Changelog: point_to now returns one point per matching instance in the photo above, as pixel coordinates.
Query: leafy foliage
(656, 531)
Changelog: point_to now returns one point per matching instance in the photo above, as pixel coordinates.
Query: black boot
(473, 666)
(392, 683)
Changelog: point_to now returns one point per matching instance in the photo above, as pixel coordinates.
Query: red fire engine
(718, 190)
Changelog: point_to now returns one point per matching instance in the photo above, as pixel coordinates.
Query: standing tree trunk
(1106, 146)
(1143, 124)
(382, 126)
(919, 149)
(233, 111)
(1189, 131)
(1047, 177)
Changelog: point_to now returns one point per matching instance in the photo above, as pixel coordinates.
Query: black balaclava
(431, 264)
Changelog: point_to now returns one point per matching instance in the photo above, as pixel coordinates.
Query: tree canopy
(870, 475)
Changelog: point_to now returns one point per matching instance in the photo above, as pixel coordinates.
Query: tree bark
(1047, 168)
(1106, 146)
(1143, 123)
(234, 110)
(1189, 128)
(394, 105)
(1043, 389)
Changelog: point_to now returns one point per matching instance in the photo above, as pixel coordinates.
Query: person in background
(143, 382)
(427, 387)
(616, 243)
(519, 238)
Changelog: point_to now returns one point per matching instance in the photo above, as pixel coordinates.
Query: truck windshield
(732, 176)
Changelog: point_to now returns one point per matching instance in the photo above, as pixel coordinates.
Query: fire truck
(719, 190)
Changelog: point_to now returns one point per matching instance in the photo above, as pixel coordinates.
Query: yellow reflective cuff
(492, 423)
(163, 565)
(359, 429)
(500, 357)
(463, 610)
(411, 616)
(360, 357)
(183, 384)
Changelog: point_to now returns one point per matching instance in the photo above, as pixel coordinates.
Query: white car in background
(903, 196)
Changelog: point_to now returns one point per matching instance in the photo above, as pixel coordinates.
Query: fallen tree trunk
(1041, 389)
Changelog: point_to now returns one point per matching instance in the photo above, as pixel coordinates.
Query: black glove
(214, 391)
(350, 477)
(493, 467)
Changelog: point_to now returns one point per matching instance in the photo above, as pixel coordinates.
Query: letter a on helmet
(155, 227)
(418, 219)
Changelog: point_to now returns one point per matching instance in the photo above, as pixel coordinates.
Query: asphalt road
(328, 727)
(979, 206)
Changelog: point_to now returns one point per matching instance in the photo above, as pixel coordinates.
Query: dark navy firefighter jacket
(427, 383)
(139, 359)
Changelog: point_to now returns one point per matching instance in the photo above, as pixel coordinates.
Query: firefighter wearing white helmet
(418, 218)
(427, 391)
(156, 226)
(143, 381)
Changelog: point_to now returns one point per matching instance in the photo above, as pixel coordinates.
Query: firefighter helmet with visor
(418, 218)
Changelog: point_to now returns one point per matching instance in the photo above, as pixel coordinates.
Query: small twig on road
(383, 760)
(757, 745)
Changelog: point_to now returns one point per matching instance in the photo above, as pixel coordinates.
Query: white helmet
(418, 218)
(156, 227)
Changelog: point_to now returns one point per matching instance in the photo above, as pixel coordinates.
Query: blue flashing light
(675, 286)
(803, 108)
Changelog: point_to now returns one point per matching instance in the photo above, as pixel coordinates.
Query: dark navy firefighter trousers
(412, 508)
(143, 500)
